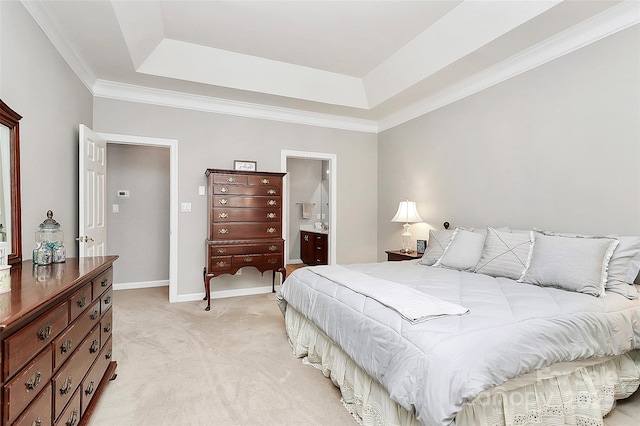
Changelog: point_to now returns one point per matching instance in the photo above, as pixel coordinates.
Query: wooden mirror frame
(10, 119)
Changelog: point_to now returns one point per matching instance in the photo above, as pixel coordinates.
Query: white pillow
(463, 252)
(571, 263)
(505, 254)
(438, 241)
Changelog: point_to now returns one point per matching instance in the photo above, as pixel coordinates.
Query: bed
(555, 345)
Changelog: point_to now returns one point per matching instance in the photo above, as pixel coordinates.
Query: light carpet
(180, 365)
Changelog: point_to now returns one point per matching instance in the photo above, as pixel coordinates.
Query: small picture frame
(245, 165)
(422, 246)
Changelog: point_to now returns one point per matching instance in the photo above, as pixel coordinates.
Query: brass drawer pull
(272, 202)
(306, 238)
(230, 180)
(107, 328)
(66, 346)
(224, 190)
(67, 386)
(223, 201)
(104, 283)
(265, 181)
(37, 422)
(108, 355)
(45, 332)
(94, 315)
(221, 264)
(271, 192)
(223, 215)
(73, 419)
(107, 300)
(223, 231)
(248, 259)
(271, 230)
(222, 250)
(273, 248)
(271, 215)
(273, 261)
(34, 381)
(95, 346)
(89, 389)
(82, 302)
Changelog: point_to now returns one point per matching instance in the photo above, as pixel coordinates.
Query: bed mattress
(434, 368)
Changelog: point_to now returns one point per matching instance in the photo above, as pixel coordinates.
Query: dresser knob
(222, 250)
(271, 192)
(73, 419)
(67, 386)
(272, 202)
(94, 315)
(223, 201)
(89, 389)
(223, 231)
(272, 261)
(248, 259)
(45, 332)
(37, 422)
(230, 180)
(221, 264)
(273, 248)
(271, 230)
(224, 190)
(265, 181)
(107, 328)
(82, 302)
(66, 346)
(95, 345)
(34, 381)
(223, 215)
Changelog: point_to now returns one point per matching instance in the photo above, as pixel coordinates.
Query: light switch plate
(185, 208)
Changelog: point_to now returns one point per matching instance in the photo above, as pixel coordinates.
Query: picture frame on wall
(245, 165)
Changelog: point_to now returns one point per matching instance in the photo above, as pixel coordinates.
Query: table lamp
(407, 213)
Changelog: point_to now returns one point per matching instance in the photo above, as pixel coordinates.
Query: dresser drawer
(265, 180)
(22, 346)
(245, 190)
(257, 248)
(106, 301)
(245, 215)
(245, 201)
(102, 282)
(238, 231)
(106, 326)
(73, 371)
(71, 415)
(67, 342)
(23, 388)
(230, 179)
(219, 264)
(39, 412)
(79, 301)
(95, 375)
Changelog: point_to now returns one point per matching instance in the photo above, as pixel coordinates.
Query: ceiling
(361, 65)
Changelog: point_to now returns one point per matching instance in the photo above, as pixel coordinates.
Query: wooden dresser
(55, 326)
(244, 224)
(314, 248)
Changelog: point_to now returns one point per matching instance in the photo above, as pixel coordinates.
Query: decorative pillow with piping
(623, 266)
(438, 241)
(505, 254)
(571, 263)
(463, 252)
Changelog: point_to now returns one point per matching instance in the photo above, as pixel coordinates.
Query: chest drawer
(91, 381)
(219, 264)
(106, 326)
(65, 344)
(106, 301)
(102, 282)
(230, 179)
(23, 388)
(245, 201)
(22, 346)
(258, 248)
(74, 370)
(238, 231)
(71, 415)
(79, 301)
(265, 180)
(39, 412)
(246, 215)
(245, 190)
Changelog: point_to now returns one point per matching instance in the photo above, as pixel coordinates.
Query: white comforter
(434, 367)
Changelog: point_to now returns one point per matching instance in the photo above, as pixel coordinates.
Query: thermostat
(123, 193)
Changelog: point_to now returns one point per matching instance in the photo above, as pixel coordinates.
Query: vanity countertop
(311, 228)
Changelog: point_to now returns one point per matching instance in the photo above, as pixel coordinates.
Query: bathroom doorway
(309, 199)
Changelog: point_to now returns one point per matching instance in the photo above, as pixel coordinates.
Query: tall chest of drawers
(244, 224)
(55, 327)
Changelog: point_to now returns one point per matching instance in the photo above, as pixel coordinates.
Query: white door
(92, 194)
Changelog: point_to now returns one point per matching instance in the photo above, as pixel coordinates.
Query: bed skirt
(579, 393)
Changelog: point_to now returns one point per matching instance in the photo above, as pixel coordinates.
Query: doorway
(139, 240)
(327, 164)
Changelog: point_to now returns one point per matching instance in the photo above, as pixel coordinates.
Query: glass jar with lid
(49, 242)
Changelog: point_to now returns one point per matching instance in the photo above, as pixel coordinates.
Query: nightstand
(396, 255)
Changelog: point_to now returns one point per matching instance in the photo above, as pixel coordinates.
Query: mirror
(10, 210)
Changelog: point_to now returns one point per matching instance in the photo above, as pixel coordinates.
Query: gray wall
(207, 140)
(139, 232)
(556, 147)
(39, 85)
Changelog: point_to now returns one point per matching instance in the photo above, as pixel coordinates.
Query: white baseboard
(294, 261)
(142, 284)
(225, 293)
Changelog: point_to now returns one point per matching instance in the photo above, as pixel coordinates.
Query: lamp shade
(407, 213)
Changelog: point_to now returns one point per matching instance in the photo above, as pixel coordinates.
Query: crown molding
(591, 30)
(40, 12)
(161, 97)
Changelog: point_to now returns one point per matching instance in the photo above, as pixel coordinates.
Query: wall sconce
(407, 213)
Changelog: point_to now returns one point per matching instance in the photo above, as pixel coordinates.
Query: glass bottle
(49, 241)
